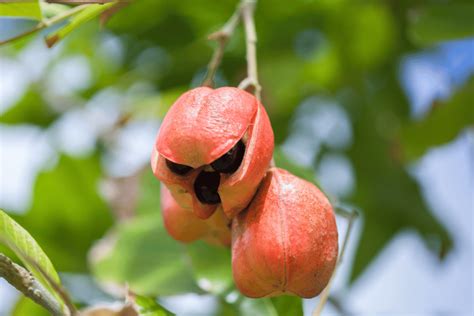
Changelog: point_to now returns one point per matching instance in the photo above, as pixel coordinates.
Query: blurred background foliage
(331, 77)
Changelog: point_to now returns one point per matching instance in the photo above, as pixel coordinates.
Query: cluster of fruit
(213, 154)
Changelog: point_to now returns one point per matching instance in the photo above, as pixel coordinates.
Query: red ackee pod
(286, 241)
(186, 227)
(201, 133)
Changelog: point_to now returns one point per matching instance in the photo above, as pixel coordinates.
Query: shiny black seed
(230, 161)
(206, 186)
(177, 168)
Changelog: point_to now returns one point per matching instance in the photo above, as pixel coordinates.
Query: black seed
(230, 161)
(206, 186)
(177, 168)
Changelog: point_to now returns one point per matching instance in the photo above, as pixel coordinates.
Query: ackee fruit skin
(202, 126)
(184, 226)
(286, 242)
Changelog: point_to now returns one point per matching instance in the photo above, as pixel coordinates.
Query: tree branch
(222, 37)
(247, 11)
(57, 287)
(352, 215)
(24, 282)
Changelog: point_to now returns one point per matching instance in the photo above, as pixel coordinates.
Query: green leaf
(446, 120)
(26, 9)
(26, 307)
(226, 309)
(171, 268)
(67, 214)
(143, 254)
(441, 22)
(27, 249)
(211, 266)
(90, 12)
(288, 305)
(30, 109)
(146, 258)
(261, 306)
(149, 307)
(275, 306)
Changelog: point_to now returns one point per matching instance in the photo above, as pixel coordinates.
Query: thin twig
(352, 215)
(247, 11)
(46, 23)
(221, 37)
(27, 284)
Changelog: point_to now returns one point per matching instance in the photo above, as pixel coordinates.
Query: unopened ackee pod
(286, 241)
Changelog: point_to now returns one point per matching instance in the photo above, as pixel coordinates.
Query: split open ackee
(213, 154)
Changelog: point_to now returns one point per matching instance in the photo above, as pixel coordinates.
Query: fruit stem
(247, 11)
